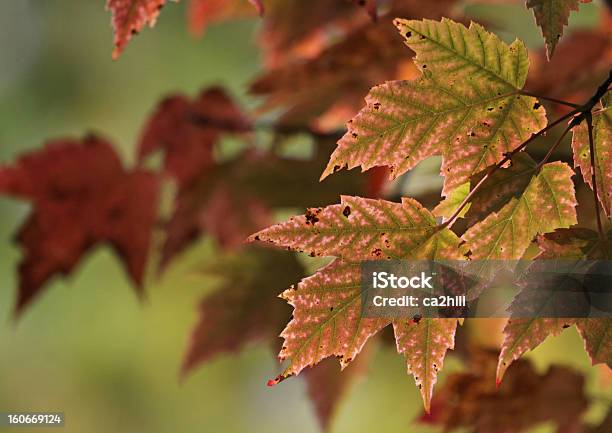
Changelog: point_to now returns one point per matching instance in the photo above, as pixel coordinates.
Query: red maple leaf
(81, 197)
(186, 131)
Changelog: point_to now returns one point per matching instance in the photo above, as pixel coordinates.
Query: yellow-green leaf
(466, 107)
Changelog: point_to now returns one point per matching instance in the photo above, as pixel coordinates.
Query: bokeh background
(87, 346)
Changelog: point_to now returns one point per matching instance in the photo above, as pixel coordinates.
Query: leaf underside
(465, 107)
(327, 317)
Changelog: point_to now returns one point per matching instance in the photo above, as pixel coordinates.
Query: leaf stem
(546, 98)
(553, 147)
(600, 231)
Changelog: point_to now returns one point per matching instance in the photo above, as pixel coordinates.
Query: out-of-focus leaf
(82, 197)
(186, 130)
(471, 401)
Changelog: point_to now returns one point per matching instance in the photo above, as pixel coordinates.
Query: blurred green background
(87, 347)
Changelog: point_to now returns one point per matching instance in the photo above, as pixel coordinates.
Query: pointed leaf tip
(278, 379)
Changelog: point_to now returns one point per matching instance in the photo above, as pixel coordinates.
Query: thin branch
(553, 147)
(602, 235)
(546, 98)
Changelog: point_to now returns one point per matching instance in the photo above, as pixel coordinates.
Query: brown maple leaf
(471, 401)
(81, 197)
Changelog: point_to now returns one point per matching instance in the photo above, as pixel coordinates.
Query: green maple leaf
(327, 319)
(602, 140)
(547, 203)
(467, 106)
(552, 16)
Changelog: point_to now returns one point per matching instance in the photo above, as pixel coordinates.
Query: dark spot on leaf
(347, 211)
(311, 217)
(536, 105)
(417, 318)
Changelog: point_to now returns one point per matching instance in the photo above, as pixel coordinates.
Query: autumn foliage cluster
(379, 85)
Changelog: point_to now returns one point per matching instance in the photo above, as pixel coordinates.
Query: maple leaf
(327, 317)
(186, 131)
(602, 142)
(579, 243)
(552, 16)
(129, 17)
(506, 234)
(472, 402)
(523, 334)
(82, 197)
(466, 107)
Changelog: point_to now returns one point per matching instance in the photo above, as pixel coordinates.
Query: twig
(553, 147)
(546, 98)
